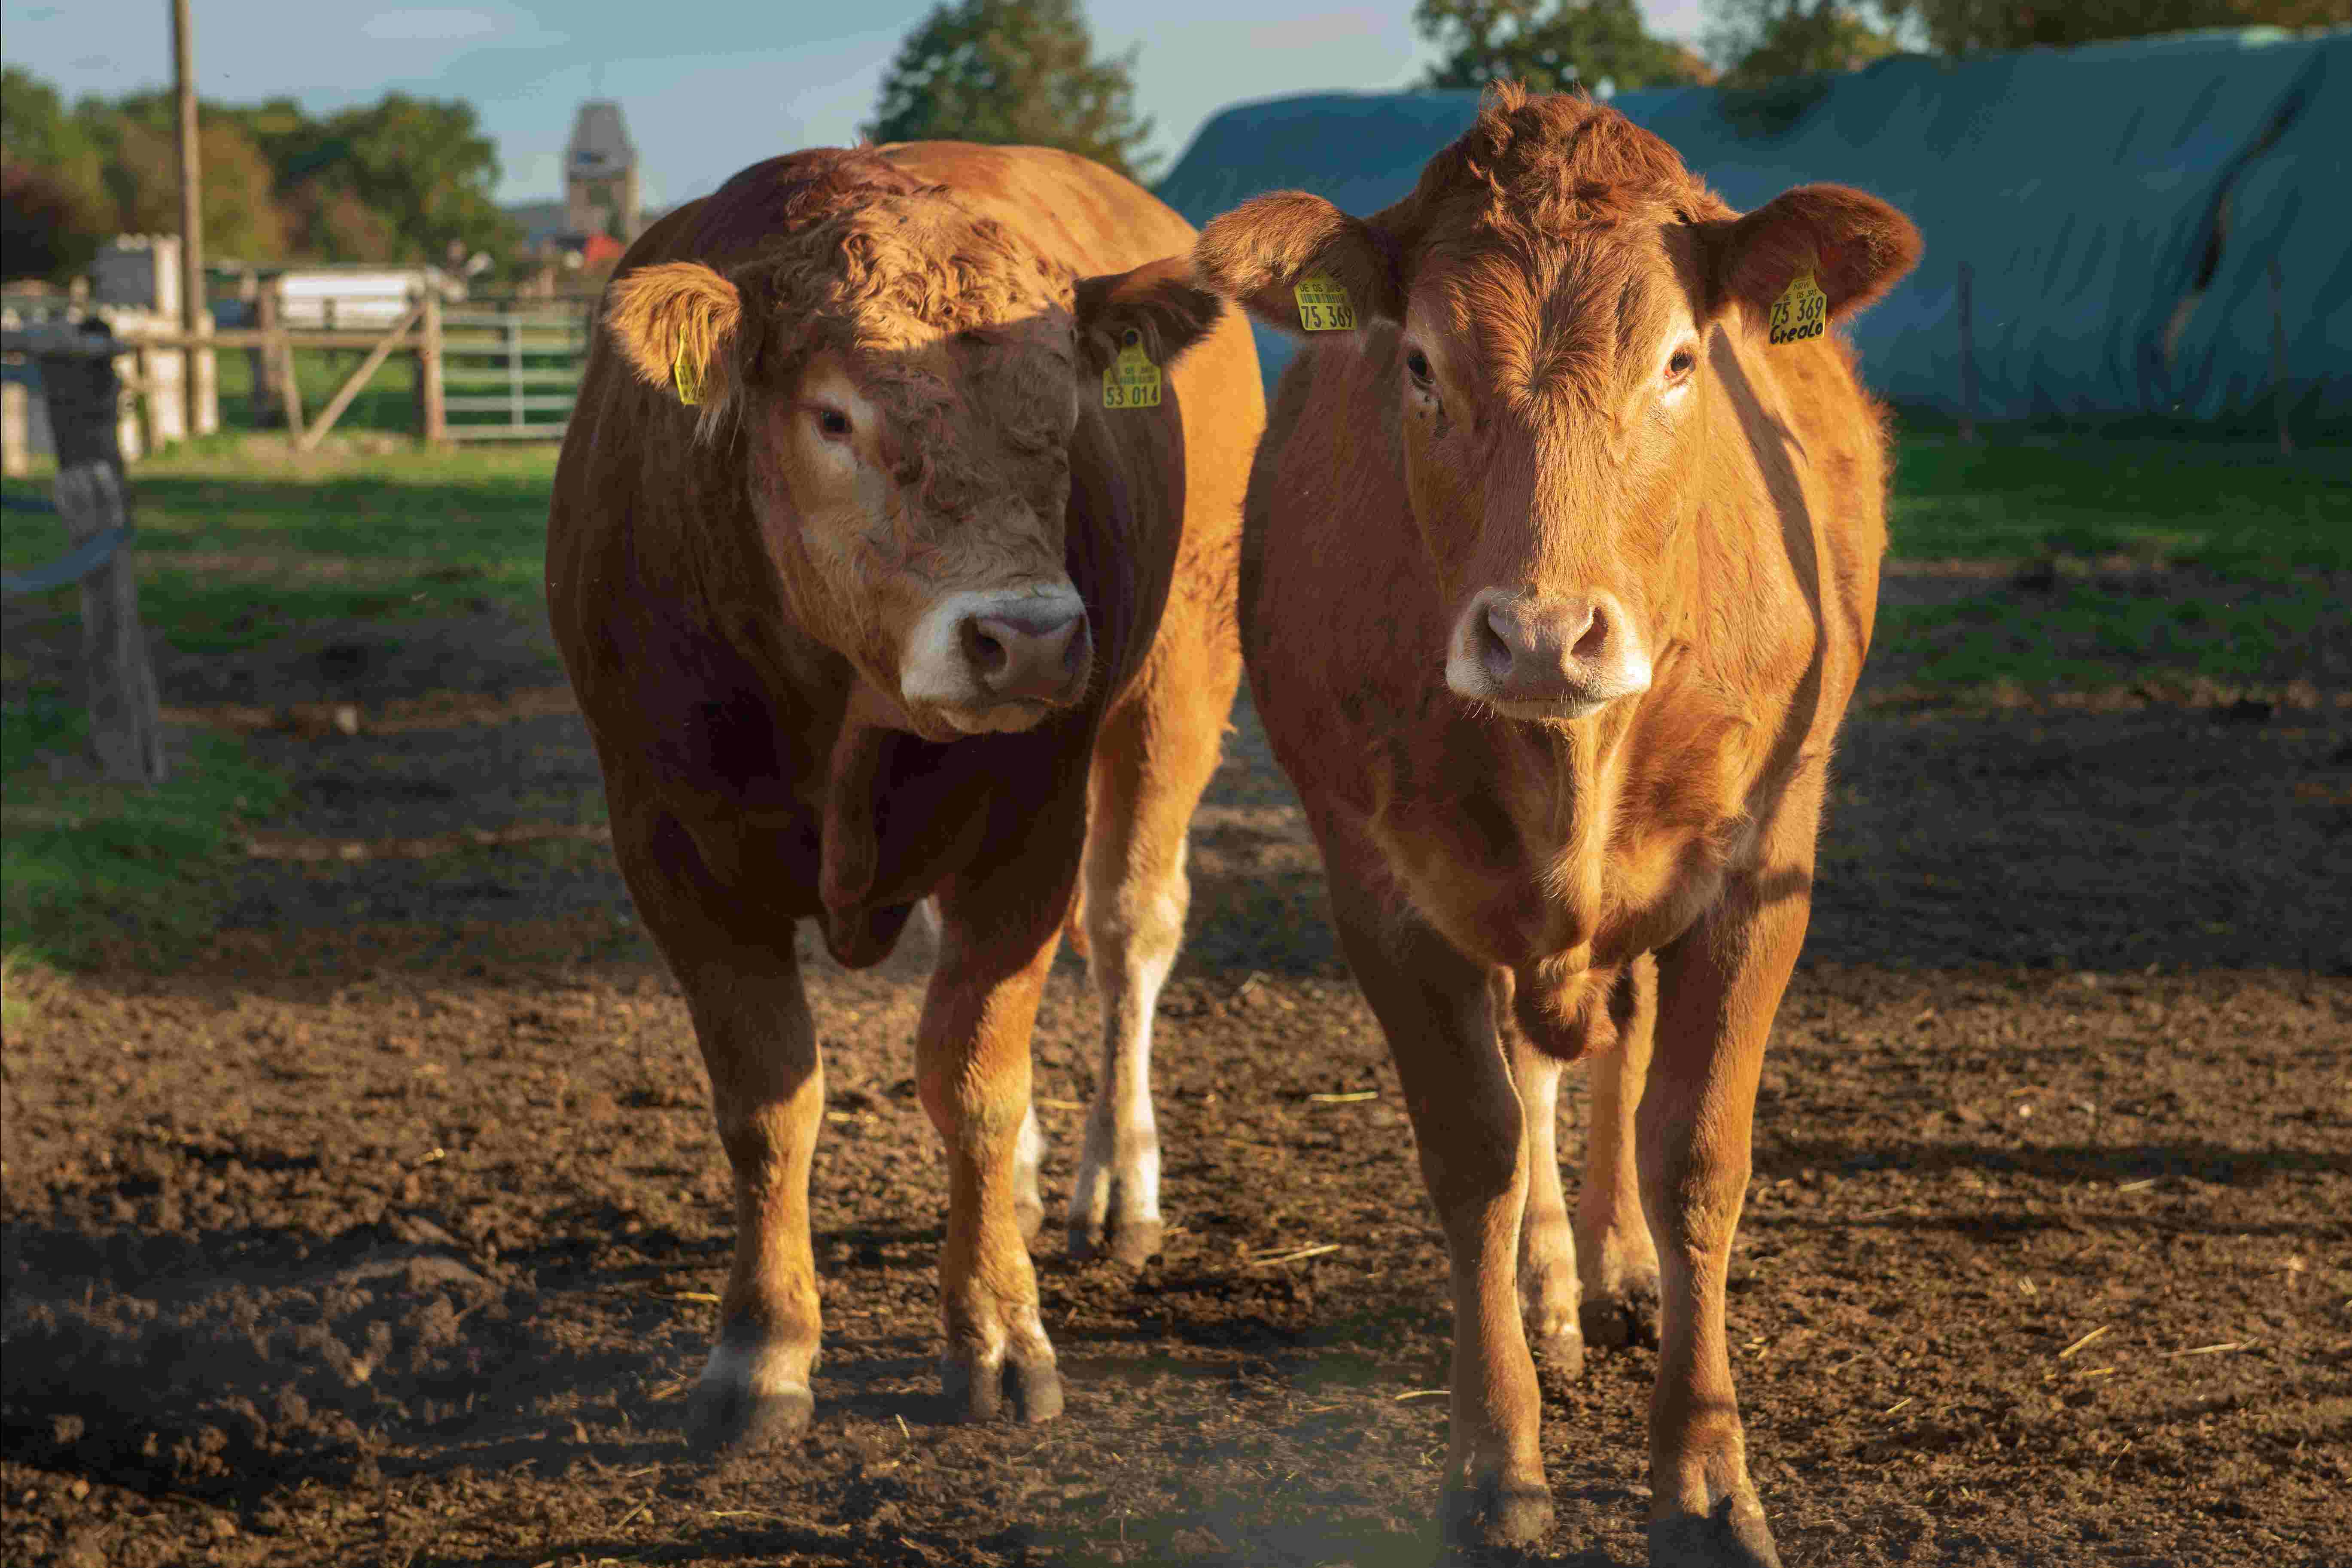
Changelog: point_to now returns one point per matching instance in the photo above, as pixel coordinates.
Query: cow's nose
(1040, 657)
(1568, 650)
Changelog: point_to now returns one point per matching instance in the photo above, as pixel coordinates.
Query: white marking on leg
(1028, 1154)
(1121, 1154)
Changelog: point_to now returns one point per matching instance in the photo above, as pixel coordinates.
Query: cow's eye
(1684, 362)
(1416, 364)
(833, 424)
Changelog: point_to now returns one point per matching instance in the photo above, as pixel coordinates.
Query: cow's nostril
(988, 656)
(1494, 648)
(1593, 639)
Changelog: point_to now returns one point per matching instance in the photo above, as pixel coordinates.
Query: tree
(1954, 26)
(1549, 46)
(142, 175)
(1767, 40)
(426, 166)
(48, 229)
(1013, 73)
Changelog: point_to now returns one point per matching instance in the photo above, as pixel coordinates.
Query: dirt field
(385, 1232)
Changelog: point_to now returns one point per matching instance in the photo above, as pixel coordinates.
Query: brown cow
(1562, 724)
(903, 607)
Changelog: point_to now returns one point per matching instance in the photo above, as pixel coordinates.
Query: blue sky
(706, 88)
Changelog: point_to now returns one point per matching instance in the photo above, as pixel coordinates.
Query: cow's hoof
(1625, 1316)
(1496, 1513)
(976, 1390)
(1559, 1357)
(1733, 1536)
(1130, 1243)
(730, 1416)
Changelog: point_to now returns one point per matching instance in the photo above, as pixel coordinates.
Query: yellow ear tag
(1801, 312)
(1131, 380)
(1324, 305)
(688, 375)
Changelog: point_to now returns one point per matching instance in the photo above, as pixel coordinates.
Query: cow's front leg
(971, 1065)
(1718, 988)
(767, 1091)
(1433, 1005)
(1153, 760)
(1615, 1258)
(1547, 1279)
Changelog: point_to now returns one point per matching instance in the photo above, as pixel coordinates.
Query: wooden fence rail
(519, 369)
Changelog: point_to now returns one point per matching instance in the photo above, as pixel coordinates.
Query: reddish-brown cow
(871, 621)
(1561, 725)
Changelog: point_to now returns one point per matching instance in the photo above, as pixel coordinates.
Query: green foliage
(53, 199)
(1955, 27)
(141, 141)
(403, 179)
(85, 864)
(1549, 46)
(1013, 73)
(1764, 41)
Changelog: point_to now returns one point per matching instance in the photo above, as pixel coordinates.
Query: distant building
(601, 188)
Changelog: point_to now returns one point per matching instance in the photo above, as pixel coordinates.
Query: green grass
(2079, 636)
(238, 546)
(86, 866)
(2240, 508)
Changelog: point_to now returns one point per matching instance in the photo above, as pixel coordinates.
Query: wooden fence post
(1967, 359)
(2278, 357)
(268, 401)
(126, 728)
(289, 388)
(432, 404)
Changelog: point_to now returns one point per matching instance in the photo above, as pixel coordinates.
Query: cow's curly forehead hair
(1535, 236)
(937, 312)
(1544, 163)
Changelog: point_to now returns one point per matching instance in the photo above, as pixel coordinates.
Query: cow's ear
(1855, 246)
(1156, 305)
(672, 321)
(1297, 263)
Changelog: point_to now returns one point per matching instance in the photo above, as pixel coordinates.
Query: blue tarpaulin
(2119, 205)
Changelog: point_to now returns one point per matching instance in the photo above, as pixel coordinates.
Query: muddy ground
(386, 1231)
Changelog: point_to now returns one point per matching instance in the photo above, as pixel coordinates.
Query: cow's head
(907, 381)
(1542, 307)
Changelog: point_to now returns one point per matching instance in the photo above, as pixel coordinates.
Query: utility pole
(192, 212)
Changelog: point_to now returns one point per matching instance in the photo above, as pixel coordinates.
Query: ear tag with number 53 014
(1131, 380)
(1800, 313)
(1324, 305)
(686, 374)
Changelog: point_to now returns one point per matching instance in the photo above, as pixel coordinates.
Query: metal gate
(513, 375)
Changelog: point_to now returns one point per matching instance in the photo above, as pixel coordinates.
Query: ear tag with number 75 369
(1324, 305)
(1800, 313)
(1131, 380)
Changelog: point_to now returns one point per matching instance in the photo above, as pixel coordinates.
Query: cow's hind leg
(1614, 1254)
(1150, 766)
(1433, 1005)
(759, 1044)
(971, 1069)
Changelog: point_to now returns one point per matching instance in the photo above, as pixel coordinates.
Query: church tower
(600, 192)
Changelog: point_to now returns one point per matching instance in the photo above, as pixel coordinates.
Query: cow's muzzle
(996, 661)
(1546, 657)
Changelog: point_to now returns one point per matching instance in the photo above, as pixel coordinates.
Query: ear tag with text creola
(687, 374)
(1131, 380)
(1801, 312)
(1324, 305)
